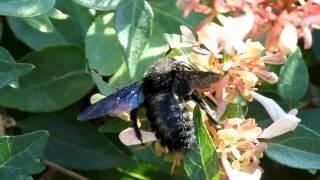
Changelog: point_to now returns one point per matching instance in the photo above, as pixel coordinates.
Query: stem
(48, 174)
(64, 170)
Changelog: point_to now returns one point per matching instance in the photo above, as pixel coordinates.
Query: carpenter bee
(166, 87)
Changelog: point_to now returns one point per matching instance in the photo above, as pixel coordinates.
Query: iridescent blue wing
(125, 100)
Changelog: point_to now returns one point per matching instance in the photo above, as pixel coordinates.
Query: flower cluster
(218, 49)
(283, 22)
(242, 62)
(243, 67)
(238, 142)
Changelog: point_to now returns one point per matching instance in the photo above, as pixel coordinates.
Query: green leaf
(9, 72)
(57, 14)
(32, 37)
(104, 5)
(157, 49)
(104, 87)
(148, 155)
(316, 44)
(1, 30)
(6, 56)
(293, 79)
(102, 47)
(42, 23)
(25, 8)
(58, 80)
(202, 161)
(74, 144)
(310, 118)
(69, 31)
(232, 111)
(114, 125)
(20, 155)
(297, 149)
(133, 23)
(121, 77)
(167, 19)
(315, 90)
(170, 18)
(175, 39)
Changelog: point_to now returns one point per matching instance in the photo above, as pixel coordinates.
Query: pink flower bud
(274, 59)
(269, 77)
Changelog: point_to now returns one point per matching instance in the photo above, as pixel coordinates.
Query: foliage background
(47, 50)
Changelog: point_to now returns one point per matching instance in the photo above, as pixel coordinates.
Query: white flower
(238, 175)
(213, 34)
(128, 137)
(242, 25)
(288, 39)
(283, 122)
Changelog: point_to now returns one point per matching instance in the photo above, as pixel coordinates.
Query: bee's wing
(197, 79)
(186, 81)
(124, 100)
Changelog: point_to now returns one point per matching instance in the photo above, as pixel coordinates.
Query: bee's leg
(211, 114)
(133, 117)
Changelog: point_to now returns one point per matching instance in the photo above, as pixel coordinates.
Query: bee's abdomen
(170, 120)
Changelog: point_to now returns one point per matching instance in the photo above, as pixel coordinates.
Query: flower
(128, 137)
(238, 175)
(288, 39)
(213, 34)
(239, 148)
(192, 5)
(283, 122)
(217, 49)
(283, 22)
(238, 140)
(242, 70)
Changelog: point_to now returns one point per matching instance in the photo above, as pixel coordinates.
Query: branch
(64, 170)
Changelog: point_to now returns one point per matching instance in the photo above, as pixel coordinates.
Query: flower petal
(187, 33)
(249, 78)
(274, 59)
(307, 37)
(293, 112)
(242, 24)
(238, 175)
(229, 136)
(283, 125)
(316, 1)
(222, 106)
(208, 36)
(269, 77)
(288, 39)
(273, 109)
(128, 137)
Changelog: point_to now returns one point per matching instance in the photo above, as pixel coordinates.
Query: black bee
(166, 87)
